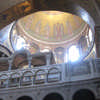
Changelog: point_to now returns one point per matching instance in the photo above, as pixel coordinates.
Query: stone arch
(3, 80)
(71, 6)
(27, 78)
(53, 96)
(54, 69)
(25, 98)
(40, 76)
(4, 51)
(83, 94)
(14, 79)
(66, 6)
(4, 76)
(54, 75)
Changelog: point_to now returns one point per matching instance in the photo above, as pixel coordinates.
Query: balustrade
(50, 73)
(29, 77)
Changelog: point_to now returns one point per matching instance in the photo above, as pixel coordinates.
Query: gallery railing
(32, 76)
(47, 75)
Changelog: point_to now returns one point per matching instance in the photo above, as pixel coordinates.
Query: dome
(52, 30)
(52, 26)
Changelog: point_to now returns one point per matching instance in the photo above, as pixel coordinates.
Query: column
(48, 58)
(10, 64)
(29, 61)
(9, 68)
(63, 72)
(46, 77)
(91, 67)
(68, 67)
(97, 41)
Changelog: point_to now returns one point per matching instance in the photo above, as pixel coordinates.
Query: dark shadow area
(53, 96)
(84, 95)
(25, 98)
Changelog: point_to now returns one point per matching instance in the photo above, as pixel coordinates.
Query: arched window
(90, 35)
(54, 75)
(53, 96)
(84, 94)
(59, 53)
(73, 53)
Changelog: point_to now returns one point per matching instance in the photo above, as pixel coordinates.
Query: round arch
(83, 94)
(25, 98)
(4, 51)
(53, 96)
(30, 6)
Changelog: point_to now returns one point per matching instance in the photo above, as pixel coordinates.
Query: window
(73, 53)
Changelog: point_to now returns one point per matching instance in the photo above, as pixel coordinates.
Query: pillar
(48, 58)
(10, 64)
(91, 67)
(97, 41)
(29, 61)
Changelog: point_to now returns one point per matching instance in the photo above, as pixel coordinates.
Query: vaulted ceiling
(52, 26)
(98, 3)
(14, 9)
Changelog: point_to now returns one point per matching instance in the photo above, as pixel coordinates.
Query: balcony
(50, 74)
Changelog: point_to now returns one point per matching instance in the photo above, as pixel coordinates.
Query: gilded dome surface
(51, 26)
(52, 31)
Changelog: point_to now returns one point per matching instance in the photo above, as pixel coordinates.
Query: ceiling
(53, 30)
(51, 26)
(98, 3)
(43, 29)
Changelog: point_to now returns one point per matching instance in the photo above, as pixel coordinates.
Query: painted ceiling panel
(98, 3)
(52, 26)
(8, 3)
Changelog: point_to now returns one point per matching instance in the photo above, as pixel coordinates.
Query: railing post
(48, 57)
(91, 67)
(62, 74)
(34, 77)
(69, 70)
(97, 41)
(20, 82)
(32, 80)
(10, 64)
(46, 78)
(7, 83)
(29, 61)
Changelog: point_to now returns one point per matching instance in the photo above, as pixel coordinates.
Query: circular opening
(84, 95)
(53, 96)
(63, 33)
(25, 98)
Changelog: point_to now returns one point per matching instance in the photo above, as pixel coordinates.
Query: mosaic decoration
(15, 12)
(53, 29)
(98, 3)
(52, 26)
(22, 42)
(20, 9)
